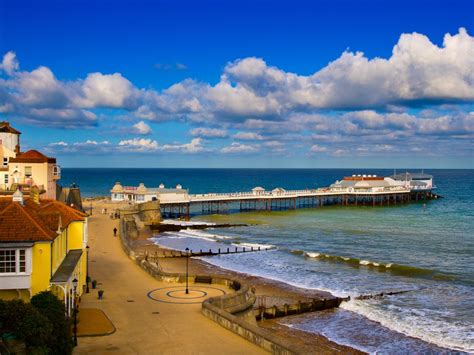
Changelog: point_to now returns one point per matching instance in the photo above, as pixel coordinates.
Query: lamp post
(91, 207)
(87, 269)
(74, 283)
(187, 257)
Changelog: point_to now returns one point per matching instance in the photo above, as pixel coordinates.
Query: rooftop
(32, 156)
(32, 221)
(6, 128)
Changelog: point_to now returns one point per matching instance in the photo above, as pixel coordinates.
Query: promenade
(145, 325)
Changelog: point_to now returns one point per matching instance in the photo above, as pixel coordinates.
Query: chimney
(18, 197)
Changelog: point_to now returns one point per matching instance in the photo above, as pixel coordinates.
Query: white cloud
(141, 128)
(195, 146)
(239, 148)
(9, 63)
(60, 143)
(315, 148)
(209, 132)
(102, 90)
(138, 145)
(251, 136)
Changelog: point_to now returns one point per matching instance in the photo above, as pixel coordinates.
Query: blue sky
(241, 83)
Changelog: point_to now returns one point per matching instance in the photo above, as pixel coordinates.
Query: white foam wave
(411, 324)
(255, 245)
(313, 255)
(186, 223)
(194, 233)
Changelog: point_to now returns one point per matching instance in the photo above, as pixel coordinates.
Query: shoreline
(269, 291)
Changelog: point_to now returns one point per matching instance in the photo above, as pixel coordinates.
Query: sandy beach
(269, 292)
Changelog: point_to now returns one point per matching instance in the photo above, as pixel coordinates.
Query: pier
(357, 190)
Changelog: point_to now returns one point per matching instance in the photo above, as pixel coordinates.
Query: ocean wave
(408, 322)
(254, 245)
(199, 234)
(393, 268)
(186, 223)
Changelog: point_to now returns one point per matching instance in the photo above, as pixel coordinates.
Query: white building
(141, 193)
(366, 183)
(416, 181)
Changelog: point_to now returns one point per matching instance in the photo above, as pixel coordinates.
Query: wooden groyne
(201, 252)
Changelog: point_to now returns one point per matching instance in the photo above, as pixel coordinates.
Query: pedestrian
(115, 232)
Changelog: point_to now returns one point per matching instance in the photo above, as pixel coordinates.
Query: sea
(424, 248)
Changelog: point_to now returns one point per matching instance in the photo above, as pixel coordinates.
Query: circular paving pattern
(178, 295)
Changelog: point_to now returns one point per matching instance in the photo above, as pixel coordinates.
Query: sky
(294, 84)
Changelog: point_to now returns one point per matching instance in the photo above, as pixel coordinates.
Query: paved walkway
(145, 325)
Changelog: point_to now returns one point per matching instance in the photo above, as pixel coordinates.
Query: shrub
(26, 323)
(60, 341)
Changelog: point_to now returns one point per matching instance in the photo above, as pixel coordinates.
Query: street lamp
(187, 258)
(87, 269)
(74, 283)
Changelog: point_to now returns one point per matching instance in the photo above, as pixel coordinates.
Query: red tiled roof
(34, 222)
(32, 156)
(6, 128)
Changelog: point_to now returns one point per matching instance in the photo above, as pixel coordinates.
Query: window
(7, 261)
(12, 261)
(5, 161)
(6, 179)
(28, 171)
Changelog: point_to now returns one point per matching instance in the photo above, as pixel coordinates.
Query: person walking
(115, 232)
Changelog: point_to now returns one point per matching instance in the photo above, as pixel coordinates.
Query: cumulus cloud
(417, 71)
(141, 128)
(250, 136)
(239, 148)
(195, 146)
(9, 63)
(209, 132)
(351, 100)
(138, 145)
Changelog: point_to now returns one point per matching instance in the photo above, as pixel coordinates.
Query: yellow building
(25, 169)
(42, 247)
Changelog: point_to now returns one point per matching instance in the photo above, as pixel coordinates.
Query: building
(418, 182)
(25, 169)
(366, 184)
(42, 247)
(141, 193)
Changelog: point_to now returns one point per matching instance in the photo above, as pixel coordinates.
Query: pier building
(354, 190)
(25, 169)
(416, 181)
(141, 193)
